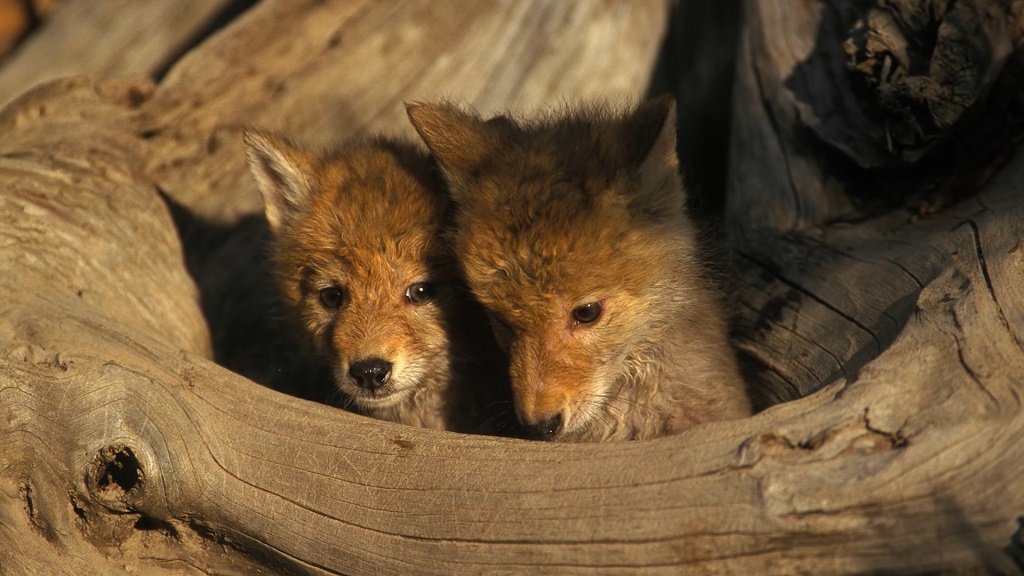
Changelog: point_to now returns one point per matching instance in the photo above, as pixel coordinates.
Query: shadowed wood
(113, 40)
(828, 96)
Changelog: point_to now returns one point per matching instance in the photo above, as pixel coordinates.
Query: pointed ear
(458, 139)
(282, 174)
(660, 193)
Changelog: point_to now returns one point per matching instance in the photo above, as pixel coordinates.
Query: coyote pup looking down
(360, 259)
(572, 232)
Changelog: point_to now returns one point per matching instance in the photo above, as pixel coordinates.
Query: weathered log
(808, 138)
(828, 94)
(124, 447)
(110, 40)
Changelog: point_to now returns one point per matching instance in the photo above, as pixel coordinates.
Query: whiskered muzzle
(544, 410)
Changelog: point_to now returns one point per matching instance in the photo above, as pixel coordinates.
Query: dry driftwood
(111, 40)
(815, 127)
(124, 447)
(826, 90)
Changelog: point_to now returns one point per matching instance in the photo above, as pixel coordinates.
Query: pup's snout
(545, 429)
(371, 373)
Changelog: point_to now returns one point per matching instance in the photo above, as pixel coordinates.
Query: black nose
(546, 429)
(371, 373)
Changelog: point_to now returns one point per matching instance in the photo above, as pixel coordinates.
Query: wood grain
(123, 448)
(112, 40)
(922, 440)
(322, 71)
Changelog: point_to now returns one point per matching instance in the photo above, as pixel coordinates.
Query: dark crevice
(853, 257)
(121, 469)
(1015, 549)
(229, 13)
(149, 524)
(777, 274)
(912, 276)
(76, 506)
(970, 371)
(983, 264)
(975, 377)
(26, 492)
(261, 551)
(896, 439)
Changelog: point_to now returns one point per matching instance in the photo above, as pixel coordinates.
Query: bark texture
(124, 447)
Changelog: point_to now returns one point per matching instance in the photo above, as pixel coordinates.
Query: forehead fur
(547, 200)
(568, 260)
(591, 143)
(377, 199)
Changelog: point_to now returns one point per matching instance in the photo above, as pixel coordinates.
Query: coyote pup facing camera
(572, 232)
(360, 260)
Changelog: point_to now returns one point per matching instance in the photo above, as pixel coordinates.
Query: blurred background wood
(20, 18)
(112, 39)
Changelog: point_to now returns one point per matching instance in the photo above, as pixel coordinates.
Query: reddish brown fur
(586, 205)
(369, 219)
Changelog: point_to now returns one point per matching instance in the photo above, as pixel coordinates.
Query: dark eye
(587, 313)
(421, 292)
(332, 297)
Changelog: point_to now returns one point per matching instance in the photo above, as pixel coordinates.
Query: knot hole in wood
(117, 478)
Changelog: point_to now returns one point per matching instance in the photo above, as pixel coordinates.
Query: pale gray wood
(110, 39)
(73, 194)
(321, 71)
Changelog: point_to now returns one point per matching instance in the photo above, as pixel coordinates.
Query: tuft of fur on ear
(282, 174)
(653, 131)
(460, 140)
